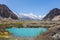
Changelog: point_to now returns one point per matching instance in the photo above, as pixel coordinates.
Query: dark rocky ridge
(54, 12)
(5, 12)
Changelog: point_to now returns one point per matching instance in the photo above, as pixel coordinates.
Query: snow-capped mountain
(30, 16)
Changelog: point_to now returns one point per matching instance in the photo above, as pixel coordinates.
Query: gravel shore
(18, 38)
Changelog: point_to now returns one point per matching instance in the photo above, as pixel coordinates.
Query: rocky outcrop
(5, 12)
(56, 18)
(52, 14)
(53, 33)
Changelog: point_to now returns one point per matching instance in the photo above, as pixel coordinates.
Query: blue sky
(37, 7)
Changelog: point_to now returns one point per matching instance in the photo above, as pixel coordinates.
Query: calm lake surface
(26, 32)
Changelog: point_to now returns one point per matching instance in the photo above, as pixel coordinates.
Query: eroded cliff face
(5, 12)
(52, 14)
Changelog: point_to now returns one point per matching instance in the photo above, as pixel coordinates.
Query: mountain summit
(5, 12)
(54, 14)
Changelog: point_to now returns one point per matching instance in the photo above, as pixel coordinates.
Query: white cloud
(31, 15)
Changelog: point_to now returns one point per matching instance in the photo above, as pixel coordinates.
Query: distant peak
(55, 9)
(3, 5)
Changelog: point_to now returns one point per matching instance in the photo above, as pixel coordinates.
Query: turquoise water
(26, 32)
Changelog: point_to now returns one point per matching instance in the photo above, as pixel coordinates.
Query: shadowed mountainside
(53, 13)
(5, 12)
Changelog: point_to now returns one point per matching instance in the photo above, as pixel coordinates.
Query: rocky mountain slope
(5, 12)
(52, 34)
(53, 14)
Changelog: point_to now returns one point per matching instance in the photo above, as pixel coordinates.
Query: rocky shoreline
(52, 34)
